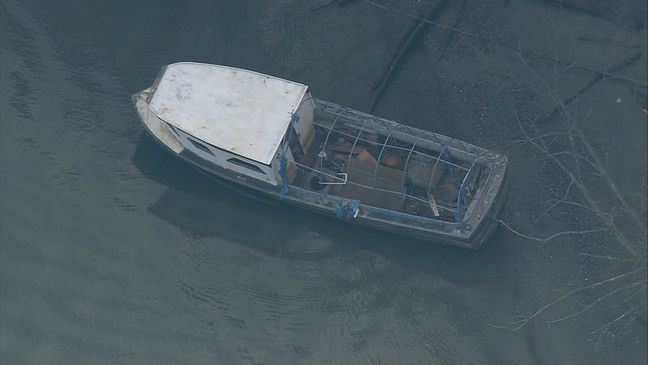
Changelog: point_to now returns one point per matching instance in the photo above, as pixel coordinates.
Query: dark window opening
(247, 165)
(293, 142)
(200, 146)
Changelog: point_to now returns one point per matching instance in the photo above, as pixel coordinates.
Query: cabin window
(247, 165)
(200, 146)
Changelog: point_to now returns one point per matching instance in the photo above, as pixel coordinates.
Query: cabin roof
(241, 111)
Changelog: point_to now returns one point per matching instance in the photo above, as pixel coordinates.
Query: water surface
(114, 252)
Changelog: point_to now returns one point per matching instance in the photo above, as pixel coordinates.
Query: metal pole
(379, 157)
(405, 149)
(436, 163)
(405, 167)
(354, 144)
(327, 138)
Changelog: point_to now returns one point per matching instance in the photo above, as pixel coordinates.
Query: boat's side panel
(233, 162)
(156, 127)
(331, 206)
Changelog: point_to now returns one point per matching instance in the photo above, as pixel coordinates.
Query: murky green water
(113, 252)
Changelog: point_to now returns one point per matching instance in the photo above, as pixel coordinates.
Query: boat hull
(468, 234)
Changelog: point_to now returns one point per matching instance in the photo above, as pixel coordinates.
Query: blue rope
(352, 208)
(348, 210)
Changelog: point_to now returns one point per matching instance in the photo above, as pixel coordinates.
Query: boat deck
(356, 162)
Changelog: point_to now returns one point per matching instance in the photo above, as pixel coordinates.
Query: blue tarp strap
(348, 210)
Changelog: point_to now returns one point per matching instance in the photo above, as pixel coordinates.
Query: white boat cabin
(237, 119)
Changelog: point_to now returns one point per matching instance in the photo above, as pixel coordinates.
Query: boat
(270, 136)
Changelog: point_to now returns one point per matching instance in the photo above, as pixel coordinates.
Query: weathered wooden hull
(469, 233)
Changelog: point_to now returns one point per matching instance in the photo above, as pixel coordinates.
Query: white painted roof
(240, 111)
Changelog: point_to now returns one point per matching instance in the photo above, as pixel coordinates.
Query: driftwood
(412, 31)
(516, 48)
(631, 12)
(331, 2)
(598, 77)
(445, 47)
(607, 42)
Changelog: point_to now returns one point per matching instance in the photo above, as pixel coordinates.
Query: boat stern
(482, 219)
